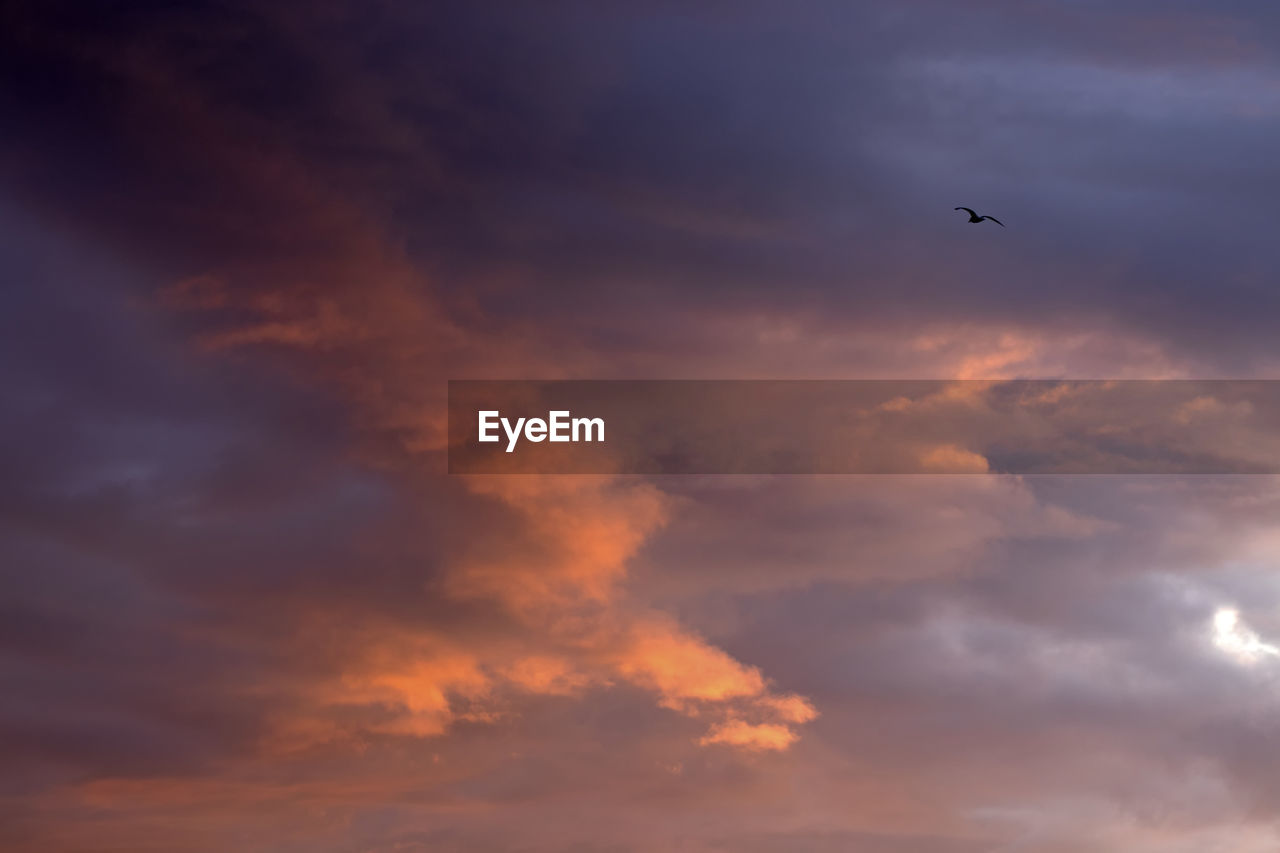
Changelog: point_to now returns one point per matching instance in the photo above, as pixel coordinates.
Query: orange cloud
(756, 737)
(364, 321)
(790, 708)
(546, 675)
(582, 531)
(682, 668)
(952, 459)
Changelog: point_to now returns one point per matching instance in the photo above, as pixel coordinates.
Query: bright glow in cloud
(1237, 639)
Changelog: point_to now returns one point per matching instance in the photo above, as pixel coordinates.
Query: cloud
(764, 736)
(241, 601)
(1238, 640)
(950, 458)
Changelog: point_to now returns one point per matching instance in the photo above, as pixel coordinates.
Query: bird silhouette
(975, 218)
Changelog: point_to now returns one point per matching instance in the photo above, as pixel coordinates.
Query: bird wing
(996, 221)
(971, 213)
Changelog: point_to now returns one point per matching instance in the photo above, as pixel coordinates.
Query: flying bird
(975, 218)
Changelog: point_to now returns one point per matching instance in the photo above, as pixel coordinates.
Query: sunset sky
(245, 245)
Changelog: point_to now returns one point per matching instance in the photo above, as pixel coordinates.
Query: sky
(244, 246)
